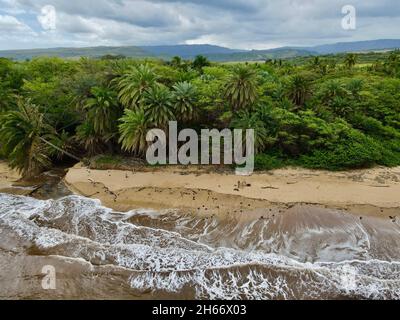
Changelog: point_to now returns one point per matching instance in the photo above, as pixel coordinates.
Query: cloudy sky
(242, 24)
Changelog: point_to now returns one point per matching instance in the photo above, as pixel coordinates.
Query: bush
(355, 151)
(265, 162)
(106, 162)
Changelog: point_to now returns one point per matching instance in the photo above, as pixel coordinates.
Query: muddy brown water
(307, 252)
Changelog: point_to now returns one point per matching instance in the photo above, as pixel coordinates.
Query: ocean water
(307, 252)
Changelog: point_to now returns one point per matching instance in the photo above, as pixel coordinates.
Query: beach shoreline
(368, 192)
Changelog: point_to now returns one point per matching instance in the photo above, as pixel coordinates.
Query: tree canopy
(330, 112)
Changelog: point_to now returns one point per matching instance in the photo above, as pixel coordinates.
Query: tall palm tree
(246, 120)
(133, 131)
(185, 100)
(102, 110)
(158, 106)
(299, 89)
(134, 84)
(350, 60)
(23, 137)
(241, 88)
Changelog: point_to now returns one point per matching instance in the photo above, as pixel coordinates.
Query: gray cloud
(235, 23)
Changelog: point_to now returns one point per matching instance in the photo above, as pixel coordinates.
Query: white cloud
(11, 28)
(10, 25)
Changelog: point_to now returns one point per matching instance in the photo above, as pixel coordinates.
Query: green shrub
(355, 151)
(108, 159)
(267, 162)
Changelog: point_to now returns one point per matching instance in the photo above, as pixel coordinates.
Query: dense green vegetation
(330, 112)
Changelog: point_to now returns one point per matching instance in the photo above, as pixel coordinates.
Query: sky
(240, 24)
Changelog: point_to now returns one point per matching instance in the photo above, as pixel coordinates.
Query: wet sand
(370, 192)
(246, 243)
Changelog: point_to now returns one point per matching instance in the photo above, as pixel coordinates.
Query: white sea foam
(218, 262)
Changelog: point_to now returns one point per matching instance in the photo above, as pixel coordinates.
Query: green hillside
(92, 52)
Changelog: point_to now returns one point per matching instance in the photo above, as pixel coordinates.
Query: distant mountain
(214, 53)
(188, 51)
(91, 52)
(357, 46)
(184, 51)
(260, 55)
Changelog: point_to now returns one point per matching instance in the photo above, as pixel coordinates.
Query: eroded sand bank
(374, 191)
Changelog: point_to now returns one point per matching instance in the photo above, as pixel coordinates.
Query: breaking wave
(306, 253)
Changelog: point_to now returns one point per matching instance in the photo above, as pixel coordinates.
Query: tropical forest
(333, 112)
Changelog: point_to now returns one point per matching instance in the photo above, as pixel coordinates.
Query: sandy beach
(308, 229)
(7, 175)
(373, 191)
(206, 191)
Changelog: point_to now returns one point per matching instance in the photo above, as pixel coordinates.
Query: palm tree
(62, 145)
(340, 107)
(331, 90)
(89, 139)
(392, 64)
(134, 84)
(158, 106)
(9, 82)
(323, 68)
(200, 62)
(24, 135)
(185, 100)
(316, 62)
(102, 110)
(299, 89)
(6, 97)
(133, 131)
(246, 120)
(241, 88)
(394, 57)
(332, 64)
(354, 87)
(176, 62)
(350, 60)
(319, 65)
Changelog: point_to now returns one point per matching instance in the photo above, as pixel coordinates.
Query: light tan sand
(176, 187)
(7, 176)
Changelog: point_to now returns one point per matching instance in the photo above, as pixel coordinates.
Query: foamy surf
(305, 253)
